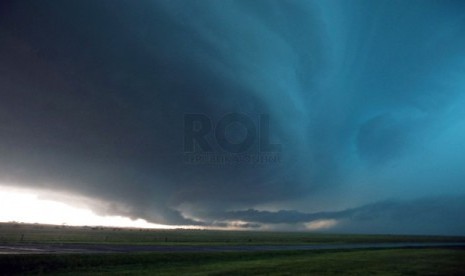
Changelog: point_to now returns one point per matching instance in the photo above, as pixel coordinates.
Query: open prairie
(52, 234)
(34, 248)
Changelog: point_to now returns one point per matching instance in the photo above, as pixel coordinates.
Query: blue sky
(365, 98)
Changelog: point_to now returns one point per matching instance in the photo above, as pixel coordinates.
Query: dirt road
(97, 248)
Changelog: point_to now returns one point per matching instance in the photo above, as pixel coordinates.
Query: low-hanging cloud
(364, 97)
(433, 215)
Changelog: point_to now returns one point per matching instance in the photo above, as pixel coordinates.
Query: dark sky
(365, 98)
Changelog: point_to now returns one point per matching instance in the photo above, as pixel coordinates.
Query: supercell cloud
(366, 99)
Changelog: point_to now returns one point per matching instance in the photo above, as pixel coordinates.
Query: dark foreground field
(432, 261)
(163, 252)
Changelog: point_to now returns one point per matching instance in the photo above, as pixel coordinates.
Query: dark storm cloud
(365, 98)
(437, 215)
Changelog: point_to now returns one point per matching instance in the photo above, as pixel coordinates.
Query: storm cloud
(365, 98)
(422, 216)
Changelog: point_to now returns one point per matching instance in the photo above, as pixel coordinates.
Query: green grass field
(408, 261)
(329, 262)
(11, 233)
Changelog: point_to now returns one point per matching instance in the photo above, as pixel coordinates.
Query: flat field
(439, 260)
(37, 233)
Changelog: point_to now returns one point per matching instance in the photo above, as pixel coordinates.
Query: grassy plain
(36, 233)
(407, 261)
(325, 262)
